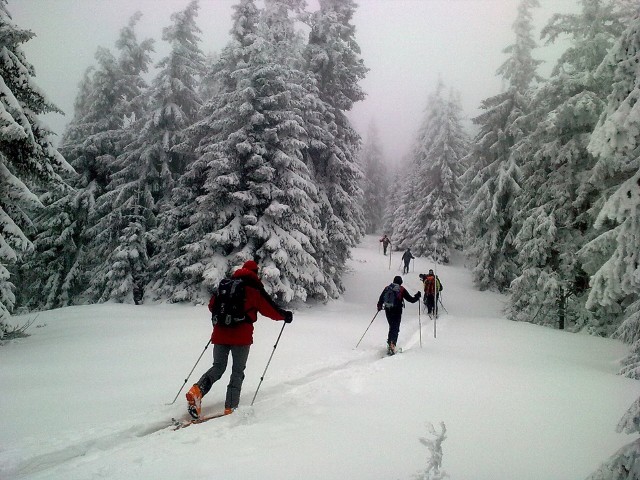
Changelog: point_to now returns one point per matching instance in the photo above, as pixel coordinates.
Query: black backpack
(392, 296)
(228, 307)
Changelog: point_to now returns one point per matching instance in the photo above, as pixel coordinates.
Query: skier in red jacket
(236, 340)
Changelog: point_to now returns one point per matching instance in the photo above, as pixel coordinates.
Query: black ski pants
(240, 354)
(430, 301)
(394, 320)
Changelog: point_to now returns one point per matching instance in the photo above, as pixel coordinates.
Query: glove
(379, 307)
(288, 316)
(419, 294)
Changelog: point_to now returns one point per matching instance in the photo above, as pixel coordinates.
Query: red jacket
(257, 301)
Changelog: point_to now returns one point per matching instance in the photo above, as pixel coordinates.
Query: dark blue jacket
(405, 296)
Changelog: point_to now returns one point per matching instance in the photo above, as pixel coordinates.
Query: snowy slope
(85, 396)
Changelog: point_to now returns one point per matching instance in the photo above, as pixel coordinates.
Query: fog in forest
(406, 44)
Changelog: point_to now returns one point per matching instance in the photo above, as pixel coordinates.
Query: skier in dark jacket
(237, 340)
(406, 258)
(385, 243)
(394, 313)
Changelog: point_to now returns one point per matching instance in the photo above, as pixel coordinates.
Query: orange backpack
(430, 284)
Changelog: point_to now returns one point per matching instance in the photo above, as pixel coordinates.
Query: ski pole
(420, 323)
(365, 332)
(435, 320)
(265, 368)
(445, 308)
(187, 379)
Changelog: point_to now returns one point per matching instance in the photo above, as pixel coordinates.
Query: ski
(178, 424)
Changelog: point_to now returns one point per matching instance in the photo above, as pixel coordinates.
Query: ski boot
(391, 348)
(194, 398)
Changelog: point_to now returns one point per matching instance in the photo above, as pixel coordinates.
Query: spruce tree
(616, 284)
(184, 223)
(494, 179)
(375, 181)
(435, 211)
(108, 103)
(249, 191)
(395, 187)
(146, 170)
(404, 206)
(29, 164)
(122, 213)
(55, 275)
(556, 200)
(333, 58)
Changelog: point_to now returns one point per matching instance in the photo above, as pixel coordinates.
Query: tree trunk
(562, 309)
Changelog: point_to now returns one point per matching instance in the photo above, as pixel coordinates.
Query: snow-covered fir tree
(402, 202)
(410, 219)
(394, 205)
(397, 179)
(54, 275)
(625, 463)
(493, 180)
(629, 332)
(375, 180)
(175, 95)
(109, 101)
(556, 199)
(145, 173)
(249, 194)
(434, 217)
(333, 57)
(616, 284)
(29, 163)
(184, 223)
(117, 248)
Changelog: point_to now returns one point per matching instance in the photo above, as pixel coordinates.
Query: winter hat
(397, 279)
(430, 270)
(251, 265)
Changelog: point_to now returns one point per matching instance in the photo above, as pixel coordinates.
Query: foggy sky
(406, 44)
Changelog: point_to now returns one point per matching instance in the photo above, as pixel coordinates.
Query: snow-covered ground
(85, 396)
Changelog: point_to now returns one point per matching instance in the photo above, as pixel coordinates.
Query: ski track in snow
(104, 443)
(128, 436)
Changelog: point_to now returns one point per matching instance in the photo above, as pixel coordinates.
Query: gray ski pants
(240, 353)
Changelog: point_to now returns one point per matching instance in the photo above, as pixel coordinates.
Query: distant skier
(235, 339)
(385, 243)
(432, 289)
(392, 300)
(406, 258)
